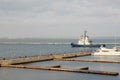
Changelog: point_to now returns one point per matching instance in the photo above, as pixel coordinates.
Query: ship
(104, 51)
(85, 42)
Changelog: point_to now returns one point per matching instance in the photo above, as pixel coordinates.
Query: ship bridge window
(105, 51)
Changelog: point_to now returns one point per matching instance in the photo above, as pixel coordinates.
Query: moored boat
(84, 42)
(103, 51)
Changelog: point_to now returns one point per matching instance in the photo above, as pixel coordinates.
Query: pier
(107, 43)
(57, 68)
(86, 60)
(31, 59)
(18, 63)
(25, 60)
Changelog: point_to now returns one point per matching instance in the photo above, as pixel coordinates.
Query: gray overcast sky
(59, 18)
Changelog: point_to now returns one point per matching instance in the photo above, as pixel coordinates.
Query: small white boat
(103, 51)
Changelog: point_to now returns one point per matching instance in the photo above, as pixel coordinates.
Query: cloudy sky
(59, 18)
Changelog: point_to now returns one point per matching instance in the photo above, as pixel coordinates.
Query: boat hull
(90, 46)
(106, 54)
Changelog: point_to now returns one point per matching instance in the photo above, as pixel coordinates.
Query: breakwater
(53, 43)
(86, 60)
(31, 59)
(14, 63)
(57, 68)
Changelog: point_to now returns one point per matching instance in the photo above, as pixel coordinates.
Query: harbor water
(12, 48)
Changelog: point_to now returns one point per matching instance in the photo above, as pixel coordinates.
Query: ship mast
(85, 36)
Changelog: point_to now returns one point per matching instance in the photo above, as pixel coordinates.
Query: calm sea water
(28, 47)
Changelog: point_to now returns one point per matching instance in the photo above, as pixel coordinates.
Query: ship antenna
(85, 36)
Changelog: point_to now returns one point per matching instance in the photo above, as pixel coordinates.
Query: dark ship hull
(90, 46)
